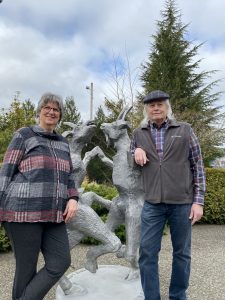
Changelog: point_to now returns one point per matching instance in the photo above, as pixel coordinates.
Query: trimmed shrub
(103, 190)
(4, 241)
(107, 192)
(214, 208)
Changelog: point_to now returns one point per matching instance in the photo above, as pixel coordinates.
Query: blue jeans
(153, 219)
(28, 239)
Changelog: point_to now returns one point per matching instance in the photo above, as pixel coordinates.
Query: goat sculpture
(126, 207)
(86, 222)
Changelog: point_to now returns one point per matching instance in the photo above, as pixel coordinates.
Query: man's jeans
(153, 219)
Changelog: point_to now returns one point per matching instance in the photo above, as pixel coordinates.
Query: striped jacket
(36, 177)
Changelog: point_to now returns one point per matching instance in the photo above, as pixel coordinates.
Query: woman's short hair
(49, 97)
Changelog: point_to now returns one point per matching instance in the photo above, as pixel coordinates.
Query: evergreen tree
(172, 67)
(20, 114)
(71, 114)
(114, 108)
(97, 170)
(100, 116)
(29, 112)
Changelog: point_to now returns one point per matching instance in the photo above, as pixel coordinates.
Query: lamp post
(91, 99)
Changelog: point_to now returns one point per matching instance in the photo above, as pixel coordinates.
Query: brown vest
(171, 180)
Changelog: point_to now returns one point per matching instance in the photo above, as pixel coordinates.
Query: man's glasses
(47, 109)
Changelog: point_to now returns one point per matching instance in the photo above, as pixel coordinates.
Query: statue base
(107, 283)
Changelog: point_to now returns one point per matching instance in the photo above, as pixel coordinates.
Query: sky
(63, 46)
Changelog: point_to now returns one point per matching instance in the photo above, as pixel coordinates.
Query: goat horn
(66, 133)
(124, 112)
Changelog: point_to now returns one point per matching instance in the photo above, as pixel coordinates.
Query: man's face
(157, 111)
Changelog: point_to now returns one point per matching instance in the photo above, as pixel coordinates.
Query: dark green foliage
(214, 208)
(121, 233)
(114, 107)
(97, 170)
(172, 67)
(71, 114)
(108, 192)
(4, 241)
(20, 114)
(103, 190)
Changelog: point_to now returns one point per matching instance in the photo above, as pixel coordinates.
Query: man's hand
(140, 157)
(196, 213)
(71, 210)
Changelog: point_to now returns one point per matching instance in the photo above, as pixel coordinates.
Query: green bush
(103, 190)
(214, 208)
(4, 241)
(108, 192)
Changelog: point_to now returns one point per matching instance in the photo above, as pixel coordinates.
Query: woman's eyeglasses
(47, 109)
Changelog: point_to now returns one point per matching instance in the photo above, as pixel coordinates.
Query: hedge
(108, 192)
(4, 241)
(214, 209)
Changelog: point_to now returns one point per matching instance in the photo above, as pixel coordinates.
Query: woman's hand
(71, 210)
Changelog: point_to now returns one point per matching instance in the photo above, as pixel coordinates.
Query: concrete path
(208, 265)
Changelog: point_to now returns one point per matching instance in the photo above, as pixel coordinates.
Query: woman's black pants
(28, 239)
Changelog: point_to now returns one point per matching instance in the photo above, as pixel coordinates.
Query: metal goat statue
(86, 222)
(123, 209)
(126, 207)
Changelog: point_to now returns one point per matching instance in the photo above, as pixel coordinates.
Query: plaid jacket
(36, 178)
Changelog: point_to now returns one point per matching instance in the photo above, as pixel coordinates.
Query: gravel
(207, 280)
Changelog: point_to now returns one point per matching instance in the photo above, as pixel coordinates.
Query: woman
(37, 198)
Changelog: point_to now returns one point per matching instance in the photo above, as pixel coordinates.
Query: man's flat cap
(155, 95)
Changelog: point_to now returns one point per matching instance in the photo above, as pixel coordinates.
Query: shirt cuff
(198, 199)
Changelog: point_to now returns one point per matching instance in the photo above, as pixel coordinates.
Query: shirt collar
(154, 125)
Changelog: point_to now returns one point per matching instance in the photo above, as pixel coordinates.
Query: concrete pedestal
(107, 283)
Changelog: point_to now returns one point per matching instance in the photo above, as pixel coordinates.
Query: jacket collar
(40, 131)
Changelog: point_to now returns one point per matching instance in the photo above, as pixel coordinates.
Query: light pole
(91, 99)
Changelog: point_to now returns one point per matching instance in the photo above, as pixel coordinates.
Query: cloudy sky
(63, 46)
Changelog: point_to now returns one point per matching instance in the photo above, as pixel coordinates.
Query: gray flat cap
(155, 95)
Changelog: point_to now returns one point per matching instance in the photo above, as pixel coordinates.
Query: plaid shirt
(36, 177)
(195, 157)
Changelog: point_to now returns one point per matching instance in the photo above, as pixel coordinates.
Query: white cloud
(206, 19)
(63, 46)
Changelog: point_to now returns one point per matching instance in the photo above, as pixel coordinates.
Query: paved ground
(208, 265)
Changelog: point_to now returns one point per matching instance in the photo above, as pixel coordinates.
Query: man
(174, 185)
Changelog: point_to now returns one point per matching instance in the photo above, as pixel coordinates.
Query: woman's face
(49, 116)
